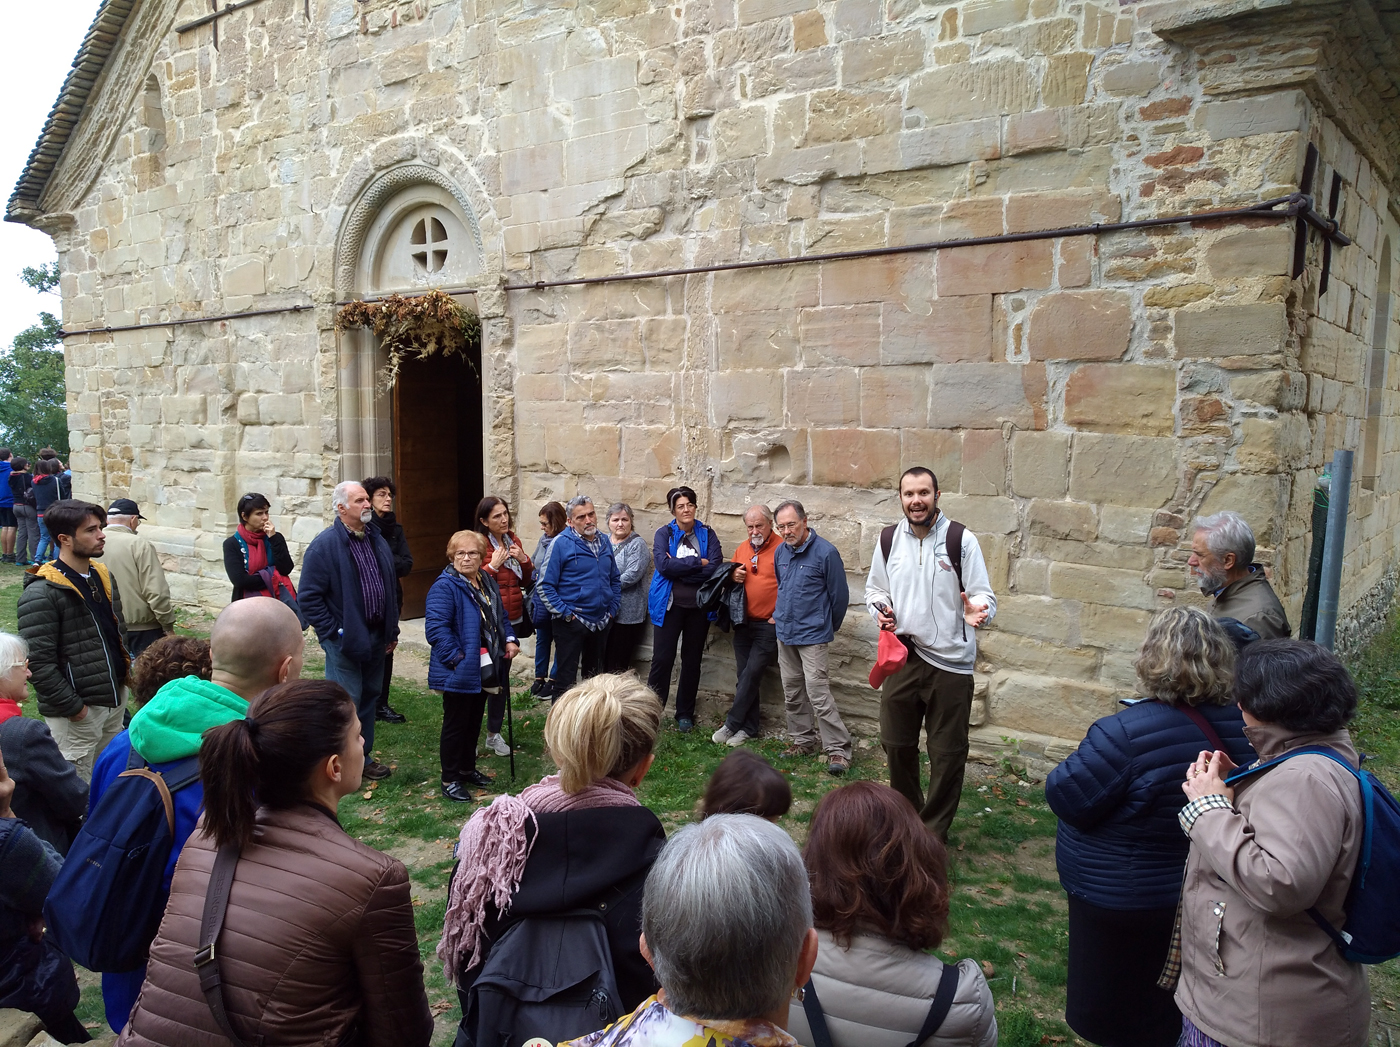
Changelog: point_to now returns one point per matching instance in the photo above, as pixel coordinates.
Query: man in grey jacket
(812, 601)
(915, 591)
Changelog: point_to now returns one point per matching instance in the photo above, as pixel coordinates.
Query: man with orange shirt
(756, 638)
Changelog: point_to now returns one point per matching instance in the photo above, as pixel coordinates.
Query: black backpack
(548, 976)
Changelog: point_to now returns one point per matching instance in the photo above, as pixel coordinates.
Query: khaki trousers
(923, 695)
(807, 689)
(82, 741)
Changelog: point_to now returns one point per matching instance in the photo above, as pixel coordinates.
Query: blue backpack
(105, 906)
(1371, 933)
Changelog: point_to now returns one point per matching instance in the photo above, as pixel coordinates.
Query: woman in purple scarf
(579, 839)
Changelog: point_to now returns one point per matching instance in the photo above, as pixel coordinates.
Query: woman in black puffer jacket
(1120, 852)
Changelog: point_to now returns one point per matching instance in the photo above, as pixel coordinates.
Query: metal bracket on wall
(218, 12)
(1310, 219)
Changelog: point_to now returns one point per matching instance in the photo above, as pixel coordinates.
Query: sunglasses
(753, 564)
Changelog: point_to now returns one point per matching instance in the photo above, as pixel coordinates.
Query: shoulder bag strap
(1198, 718)
(206, 961)
(812, 1007)
(942, 1004)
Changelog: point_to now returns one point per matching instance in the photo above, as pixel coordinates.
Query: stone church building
(217, 176)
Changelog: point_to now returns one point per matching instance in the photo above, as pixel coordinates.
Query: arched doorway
(427, 432)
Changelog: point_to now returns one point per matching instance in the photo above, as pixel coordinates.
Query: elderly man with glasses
(582, 590)
(756, 637)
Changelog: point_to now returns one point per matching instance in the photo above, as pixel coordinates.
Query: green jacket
(71, 664)
(171, 725)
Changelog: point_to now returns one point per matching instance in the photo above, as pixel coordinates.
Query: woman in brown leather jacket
(318, 944)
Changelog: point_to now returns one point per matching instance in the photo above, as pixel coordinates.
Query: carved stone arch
(369, 205)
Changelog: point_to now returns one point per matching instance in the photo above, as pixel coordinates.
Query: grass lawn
(1008, 909)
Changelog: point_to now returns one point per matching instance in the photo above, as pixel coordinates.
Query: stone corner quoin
(1081, 398)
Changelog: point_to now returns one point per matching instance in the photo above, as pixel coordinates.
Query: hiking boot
(797, 750)
(456, 792)
(484, 781)
(837, 765)
(722, 735)
(685, 726)
(376, 771)
(386, 714)
(739, 738)
(496, 744)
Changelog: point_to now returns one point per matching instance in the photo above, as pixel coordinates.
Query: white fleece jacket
(920, 586)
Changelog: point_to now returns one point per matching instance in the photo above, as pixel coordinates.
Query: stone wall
(1080, 398)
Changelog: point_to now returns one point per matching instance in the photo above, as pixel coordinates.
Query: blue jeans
(362, 680)
(45, 551)
(544, 640)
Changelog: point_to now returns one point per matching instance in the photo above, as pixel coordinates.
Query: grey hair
(1227, 532)
(341, 495)
(620, 507)
(575, 502)
(726, 909)
(13, 651)
(767, 513)
(794, 504)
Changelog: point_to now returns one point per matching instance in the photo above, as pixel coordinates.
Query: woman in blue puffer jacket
(1119, 849)
(471, 637)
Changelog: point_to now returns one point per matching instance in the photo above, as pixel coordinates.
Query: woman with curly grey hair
(1119, 849)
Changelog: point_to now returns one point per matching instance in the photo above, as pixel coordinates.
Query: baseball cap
(124, 507)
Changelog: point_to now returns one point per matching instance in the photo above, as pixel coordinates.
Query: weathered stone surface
(937, 449)
(984, 462)
(1113, 628)
(996, 268)
(1039, 617)
(1123, 470)
(894, 397)
(1231, 330)
(824, 395)
(1068, 520)
(1040, 464)
(1122, 398)
(942, 330)
(1072, 581)
(972, 90)
(18, 1027)
(1255, 115)
(1080, 325)
(1026, 655)
(1059, 708)
(1252, 252)
(980, 396)
(855, 457)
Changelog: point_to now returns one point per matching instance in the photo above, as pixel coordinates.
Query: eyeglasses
(466, 554)
(753, 564)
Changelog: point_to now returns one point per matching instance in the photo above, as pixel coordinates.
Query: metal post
(1332, 554)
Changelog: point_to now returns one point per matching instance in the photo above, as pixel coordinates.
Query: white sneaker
(739, 738)
(722, 735)
(497, 745)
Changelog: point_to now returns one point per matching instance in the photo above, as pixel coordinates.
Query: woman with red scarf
(256, 557)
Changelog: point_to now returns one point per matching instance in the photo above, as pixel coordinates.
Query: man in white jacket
(934, 602)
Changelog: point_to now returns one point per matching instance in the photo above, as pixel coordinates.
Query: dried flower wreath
(415, 327)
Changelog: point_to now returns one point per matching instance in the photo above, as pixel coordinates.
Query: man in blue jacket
(812, 601)
(582, 591)
(347, 594)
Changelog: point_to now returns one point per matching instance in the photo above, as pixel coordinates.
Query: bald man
(255, 644)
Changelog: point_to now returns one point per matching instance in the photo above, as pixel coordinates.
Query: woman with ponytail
(576, 839)
(317, 942)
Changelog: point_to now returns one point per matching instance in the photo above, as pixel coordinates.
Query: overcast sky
(35, 55)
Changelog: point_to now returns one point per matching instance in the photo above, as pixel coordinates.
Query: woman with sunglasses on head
(682, 550)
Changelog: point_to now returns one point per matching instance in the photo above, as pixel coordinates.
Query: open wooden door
(438, 463)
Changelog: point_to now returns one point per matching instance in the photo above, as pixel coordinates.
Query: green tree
(33, 397)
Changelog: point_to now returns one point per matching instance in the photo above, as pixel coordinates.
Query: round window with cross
(429, 243)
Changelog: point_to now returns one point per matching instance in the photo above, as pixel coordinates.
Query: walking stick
(510, 729)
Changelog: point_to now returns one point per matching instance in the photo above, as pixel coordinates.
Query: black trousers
(496, 703)
(388, 675)
(755, 649)
(1115, 958)
(139, 639)
(622, 645)
(686, 627)
(461, 727)
(575, 643)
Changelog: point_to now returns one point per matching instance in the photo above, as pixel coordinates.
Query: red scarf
(257, 564)
(8, 708)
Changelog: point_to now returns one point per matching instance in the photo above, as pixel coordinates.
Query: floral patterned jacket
(652, 1025)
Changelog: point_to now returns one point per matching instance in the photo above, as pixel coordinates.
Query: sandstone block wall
(1080, 398)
